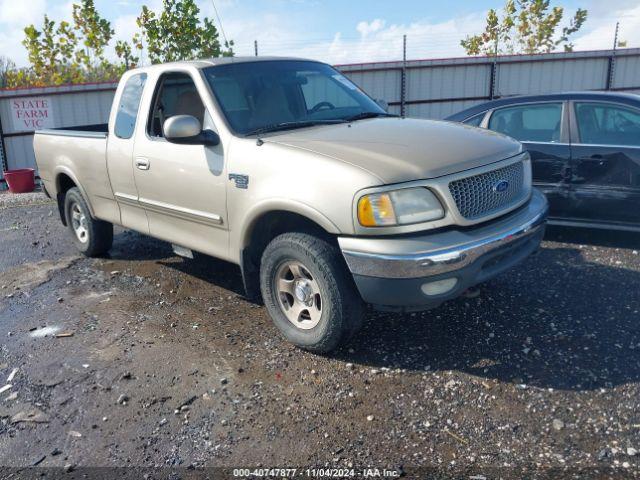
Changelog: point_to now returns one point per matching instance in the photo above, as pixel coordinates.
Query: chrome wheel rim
(79, 223)
(298, 295)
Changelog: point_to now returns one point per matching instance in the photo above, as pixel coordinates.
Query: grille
(480, 195)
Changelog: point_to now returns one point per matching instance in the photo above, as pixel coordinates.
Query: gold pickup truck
(289, 170)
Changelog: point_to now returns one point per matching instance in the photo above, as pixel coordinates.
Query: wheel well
(63, 183)
(266, 228)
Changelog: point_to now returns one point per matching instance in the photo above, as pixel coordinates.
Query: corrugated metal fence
(438, 88)
(417, 88)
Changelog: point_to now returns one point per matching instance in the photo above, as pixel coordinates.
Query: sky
(334, 31)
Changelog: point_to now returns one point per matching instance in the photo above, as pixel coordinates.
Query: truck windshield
(258, 97)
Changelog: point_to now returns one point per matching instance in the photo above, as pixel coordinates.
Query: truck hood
(402, 149)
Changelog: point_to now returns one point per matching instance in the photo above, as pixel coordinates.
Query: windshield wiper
(276, 127)
(365, 115)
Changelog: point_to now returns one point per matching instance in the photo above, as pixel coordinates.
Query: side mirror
(186, 130)
(383, 104)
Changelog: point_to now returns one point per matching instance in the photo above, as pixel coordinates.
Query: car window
(476, 120)
(607, 124)
(531, 122)
(128, 107)
(254, 95)
(318, 89)
(177, 95)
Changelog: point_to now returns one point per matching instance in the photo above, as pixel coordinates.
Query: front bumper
(393, 273)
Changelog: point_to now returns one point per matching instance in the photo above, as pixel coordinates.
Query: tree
(6, 68)
(178, 34)
(526, 26)
(70, 53)
(75, 53)
(51, 54)
(96, 33)
(125, 53)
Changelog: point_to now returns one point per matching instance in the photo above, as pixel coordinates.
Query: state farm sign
(32, 113)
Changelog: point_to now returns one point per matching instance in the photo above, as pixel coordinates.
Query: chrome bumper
(427, 255)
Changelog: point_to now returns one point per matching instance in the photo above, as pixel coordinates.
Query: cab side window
(529, 123)
(176, 95)
(607, 124)
(129, 105)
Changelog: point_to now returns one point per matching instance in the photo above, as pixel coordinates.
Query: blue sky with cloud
(331, 30)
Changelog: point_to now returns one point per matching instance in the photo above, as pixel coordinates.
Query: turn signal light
(376, 210)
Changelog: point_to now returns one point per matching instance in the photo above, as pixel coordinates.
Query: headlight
(399, 207)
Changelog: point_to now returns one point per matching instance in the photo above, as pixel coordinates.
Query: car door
(605, 159)
(541, 127)
(181, 187)
(120, 147)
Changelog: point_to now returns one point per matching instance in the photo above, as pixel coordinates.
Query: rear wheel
(308, 292)
(92, 237)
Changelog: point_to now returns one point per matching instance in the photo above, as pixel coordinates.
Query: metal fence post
(612, 60)
(494, 73)
(255, 47)
(3, 151)
(403, 77)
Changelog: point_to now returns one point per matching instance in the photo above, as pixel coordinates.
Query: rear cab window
(529, 123)
(128, 107)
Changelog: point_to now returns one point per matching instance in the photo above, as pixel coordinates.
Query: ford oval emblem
(501, 186)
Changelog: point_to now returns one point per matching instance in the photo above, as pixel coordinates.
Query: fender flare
(61, 169)
(282, 205)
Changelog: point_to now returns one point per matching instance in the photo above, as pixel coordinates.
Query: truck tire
(93, 237)
(308, 292)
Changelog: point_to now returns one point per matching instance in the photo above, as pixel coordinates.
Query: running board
(182, 251)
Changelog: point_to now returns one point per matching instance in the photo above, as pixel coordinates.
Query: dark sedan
(585, 151)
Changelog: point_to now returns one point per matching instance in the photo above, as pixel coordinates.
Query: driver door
(181, 187)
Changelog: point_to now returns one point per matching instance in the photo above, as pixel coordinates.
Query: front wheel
(92, 237)
(308, 292)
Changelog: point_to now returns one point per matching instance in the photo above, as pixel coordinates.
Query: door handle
(143, 163)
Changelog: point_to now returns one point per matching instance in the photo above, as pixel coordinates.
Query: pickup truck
(289, 170)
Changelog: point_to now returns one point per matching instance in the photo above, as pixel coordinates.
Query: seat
(271, 106)
(189, 103)
(515, 126)
(587, 124)
(501, 125)
(555, 135)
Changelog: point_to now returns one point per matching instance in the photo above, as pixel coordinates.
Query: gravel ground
(146, 359)
(8, 199)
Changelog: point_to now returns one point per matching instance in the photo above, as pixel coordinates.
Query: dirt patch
(31, 275)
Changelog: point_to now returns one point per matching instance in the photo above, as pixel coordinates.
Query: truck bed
(79, 153)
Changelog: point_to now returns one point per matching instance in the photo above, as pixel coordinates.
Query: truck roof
(208, 62)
